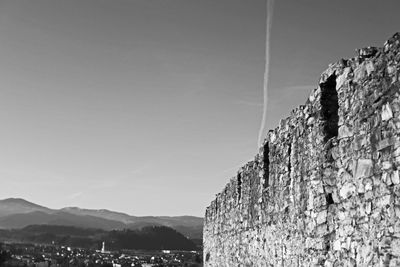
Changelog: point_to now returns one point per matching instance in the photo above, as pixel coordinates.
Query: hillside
(11, 206)
(19, 213)
(148, 238)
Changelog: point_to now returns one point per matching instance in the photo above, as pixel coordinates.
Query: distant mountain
(60, 230)
(58, 218)
(102, 213)
(150, 238)
(18, 205)
(18, 213)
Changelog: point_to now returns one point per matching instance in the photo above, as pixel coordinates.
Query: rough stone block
(360, 72)
(383, 201)
(347, 190)
(337, 245)
(395, 177)
(363, 168)
(395, 247)
(344, 131)
(385, 143)
(341, 79)
(386, 112)
(321, 217)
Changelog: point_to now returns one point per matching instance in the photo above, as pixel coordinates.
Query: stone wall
(324, 190)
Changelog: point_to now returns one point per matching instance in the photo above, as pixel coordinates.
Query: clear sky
(150, 106)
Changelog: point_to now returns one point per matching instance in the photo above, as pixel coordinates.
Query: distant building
(103, 249)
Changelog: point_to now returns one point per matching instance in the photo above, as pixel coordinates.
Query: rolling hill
(18, 213)
(147, 238)
(11, 206)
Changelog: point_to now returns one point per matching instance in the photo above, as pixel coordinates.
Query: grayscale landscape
(138, 133)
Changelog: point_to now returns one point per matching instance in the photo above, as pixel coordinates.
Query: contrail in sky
(270, 10)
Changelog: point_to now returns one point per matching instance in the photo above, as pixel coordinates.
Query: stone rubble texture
(322, 191)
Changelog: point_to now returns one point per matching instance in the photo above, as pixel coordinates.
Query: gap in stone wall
(239, 186)
(329, 108)
(266, 165)
(329, 199)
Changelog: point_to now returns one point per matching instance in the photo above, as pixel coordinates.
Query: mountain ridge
(18, 213)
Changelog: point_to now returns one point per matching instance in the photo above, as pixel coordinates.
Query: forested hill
(147, 238)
